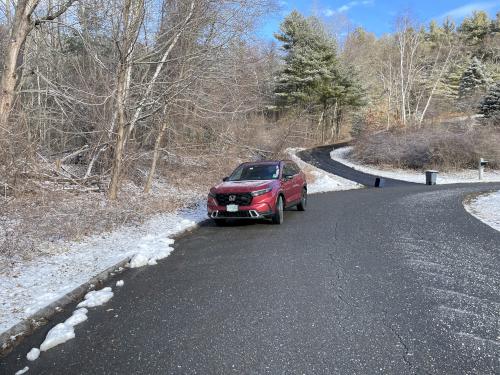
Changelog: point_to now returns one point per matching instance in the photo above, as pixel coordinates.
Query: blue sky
(376, 15)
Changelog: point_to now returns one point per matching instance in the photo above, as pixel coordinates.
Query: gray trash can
(379, 182)
(431, 177)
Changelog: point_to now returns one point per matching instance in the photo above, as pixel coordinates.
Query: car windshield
(255, 172)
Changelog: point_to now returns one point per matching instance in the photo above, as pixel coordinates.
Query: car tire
(220, 222)
(277, 218)
(303, 201)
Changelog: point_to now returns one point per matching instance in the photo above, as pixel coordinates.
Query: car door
(287, 184)
(297, 182)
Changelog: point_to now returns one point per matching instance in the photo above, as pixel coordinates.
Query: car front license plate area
(232, 208)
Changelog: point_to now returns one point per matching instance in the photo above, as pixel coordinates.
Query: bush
(444, 148)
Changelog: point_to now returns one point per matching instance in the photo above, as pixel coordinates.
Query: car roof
(264, 162)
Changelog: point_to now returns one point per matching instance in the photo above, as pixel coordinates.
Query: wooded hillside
(95, 92)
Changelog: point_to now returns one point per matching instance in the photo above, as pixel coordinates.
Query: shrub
(444, 148)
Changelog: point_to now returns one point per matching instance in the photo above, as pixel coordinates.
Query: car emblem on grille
(232, 198)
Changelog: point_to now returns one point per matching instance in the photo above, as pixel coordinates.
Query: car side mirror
(225, 179)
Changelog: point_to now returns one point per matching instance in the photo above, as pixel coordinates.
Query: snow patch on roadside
(28, 287)
(63, 332)
(467, 176)
(22, 371)
(58, 335)
(33, 354)
(153, 249)
(96, 298)
(79, 316)
(323, 181)
(486, 208)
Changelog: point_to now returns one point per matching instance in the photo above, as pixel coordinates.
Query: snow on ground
(323, 181)
(59, 334)
(486, 208)
(22, 371)
(63, 332)
(28, 287)
(96, 298)
(342, 155)
(33, 354)
(120, 283)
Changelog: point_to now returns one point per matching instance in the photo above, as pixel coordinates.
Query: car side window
(289, 170)
(296, 169)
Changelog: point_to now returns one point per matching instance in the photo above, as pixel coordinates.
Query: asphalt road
(399, 280)
(320, 157)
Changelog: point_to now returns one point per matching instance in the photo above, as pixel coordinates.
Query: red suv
(258, 190)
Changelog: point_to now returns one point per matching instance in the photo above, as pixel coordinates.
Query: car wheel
(303, 201)
(220, 222)
(278, 213)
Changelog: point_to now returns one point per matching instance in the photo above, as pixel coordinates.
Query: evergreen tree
(310, 61)
(490, 105)
(312, 74)
(449, 26)
(473, 80)
(474, 29)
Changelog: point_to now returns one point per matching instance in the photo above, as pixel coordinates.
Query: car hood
(242, 186)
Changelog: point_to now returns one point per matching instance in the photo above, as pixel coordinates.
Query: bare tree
(22, 24)
(132, 18)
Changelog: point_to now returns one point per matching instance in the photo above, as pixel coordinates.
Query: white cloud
(328, 12)
(346, 7)
(466, 10)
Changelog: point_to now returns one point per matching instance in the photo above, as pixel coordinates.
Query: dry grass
(445, 147)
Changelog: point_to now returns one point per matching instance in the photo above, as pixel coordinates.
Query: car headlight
(260, 192)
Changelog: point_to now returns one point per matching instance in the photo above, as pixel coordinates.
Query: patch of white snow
(138, 260)
(23, 371)
(486, 208)
(33, 354)
(97, 298)
(57, 335)
(78, 317)
(120, 283)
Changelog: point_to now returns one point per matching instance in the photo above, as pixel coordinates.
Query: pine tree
(310, 60)
(312, 74)
(473, 80)
(490, 105)
(474, 29)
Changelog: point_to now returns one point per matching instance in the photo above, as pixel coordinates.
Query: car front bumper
(260, 210)
(241, 214)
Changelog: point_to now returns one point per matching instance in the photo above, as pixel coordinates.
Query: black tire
(277, 218)
(303, 201)
(220, 222)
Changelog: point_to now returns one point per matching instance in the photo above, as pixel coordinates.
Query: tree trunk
(132, 21)
(156, 154)
(21, 27)
(116, 171)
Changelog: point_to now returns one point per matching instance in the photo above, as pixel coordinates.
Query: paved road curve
(373, 281)
(320, 157)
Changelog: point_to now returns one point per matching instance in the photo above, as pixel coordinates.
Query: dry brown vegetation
(445, 147)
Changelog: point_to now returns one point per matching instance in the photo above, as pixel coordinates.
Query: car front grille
(239, 214)
(241, 199)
